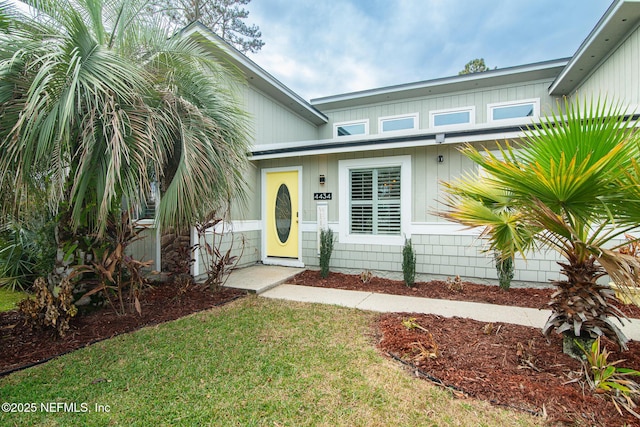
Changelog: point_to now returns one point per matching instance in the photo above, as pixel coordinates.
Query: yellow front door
(282, 214)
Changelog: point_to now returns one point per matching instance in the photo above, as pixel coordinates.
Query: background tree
(223, 17)
(572, 185)
(474, 66)
(96, 100)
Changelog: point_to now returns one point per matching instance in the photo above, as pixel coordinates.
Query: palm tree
(97, 100)
(572, 184)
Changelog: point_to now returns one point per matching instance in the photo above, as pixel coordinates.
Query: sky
(320, 48)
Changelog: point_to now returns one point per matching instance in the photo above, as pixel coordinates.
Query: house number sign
(322, 196)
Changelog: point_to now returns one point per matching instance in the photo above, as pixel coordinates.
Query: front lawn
(254, 362)
(9, 298)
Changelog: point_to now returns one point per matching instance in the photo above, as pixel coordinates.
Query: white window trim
(414, 116)
(517, 120)
(344, 167)
(470, 109)
(364, 122)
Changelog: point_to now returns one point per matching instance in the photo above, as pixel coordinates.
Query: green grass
(9, 298)
(254, 362)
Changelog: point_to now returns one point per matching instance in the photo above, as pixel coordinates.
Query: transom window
(351, 128)
(452, 117)
(398, 123)
(375, 201)
(514, 111)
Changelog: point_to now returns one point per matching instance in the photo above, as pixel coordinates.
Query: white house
(369, 164)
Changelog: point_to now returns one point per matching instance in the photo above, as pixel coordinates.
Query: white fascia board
(297, 149)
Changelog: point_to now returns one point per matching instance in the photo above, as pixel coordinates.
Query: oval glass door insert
(283, 213)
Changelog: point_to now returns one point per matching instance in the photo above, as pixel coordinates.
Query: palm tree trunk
(176, 253)
(580, 307)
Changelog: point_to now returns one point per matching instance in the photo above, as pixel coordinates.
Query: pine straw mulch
(21, 346)
(508, 365)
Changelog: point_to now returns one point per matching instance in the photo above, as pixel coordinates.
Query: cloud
(325, 48)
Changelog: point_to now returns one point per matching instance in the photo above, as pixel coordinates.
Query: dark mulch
(508, 365)
(21, 346)
(520, 297)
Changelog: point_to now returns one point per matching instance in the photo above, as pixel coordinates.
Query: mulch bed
(507, 365)
(21, 346)
(520, 297)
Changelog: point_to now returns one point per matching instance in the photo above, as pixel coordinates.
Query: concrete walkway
(257, 279)
(270, 282)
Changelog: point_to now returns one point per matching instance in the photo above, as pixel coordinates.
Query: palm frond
(98, 98)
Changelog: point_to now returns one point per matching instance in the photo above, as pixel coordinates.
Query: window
(351, 128)
(398, 123)
(375, 201)
(376, 206)
(452, 117)
(519, 111)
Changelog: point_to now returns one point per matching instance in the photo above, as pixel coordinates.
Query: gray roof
(504, 76)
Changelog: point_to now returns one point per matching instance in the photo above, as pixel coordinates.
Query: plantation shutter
(362, 202)
(388, 201)
(375, 201)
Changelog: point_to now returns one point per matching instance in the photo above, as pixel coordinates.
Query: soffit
(614, 27)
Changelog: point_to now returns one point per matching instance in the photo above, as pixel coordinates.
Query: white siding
(273, 122)
(478, 98)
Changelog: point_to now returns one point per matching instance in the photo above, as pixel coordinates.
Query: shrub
(504, 267)
(217, 263)
(455, 284)
(26, 254)
(50, 308)
(326, 247)
(117, 272)
(408, 263)
(365, 276)
(606, 377)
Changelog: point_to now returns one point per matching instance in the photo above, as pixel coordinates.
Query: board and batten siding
(423, 105)
(427, 175)
(248, 209)
(272, 122)
(440, 249)
(618, 78)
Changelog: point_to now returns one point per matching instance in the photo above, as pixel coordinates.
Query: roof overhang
(546, 70)
(420, 138)
(622, 18)
(258, 77)
(384, 142)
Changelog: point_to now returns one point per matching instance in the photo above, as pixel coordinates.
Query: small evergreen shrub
(326, 247)
(408, 263)
(504, 267)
